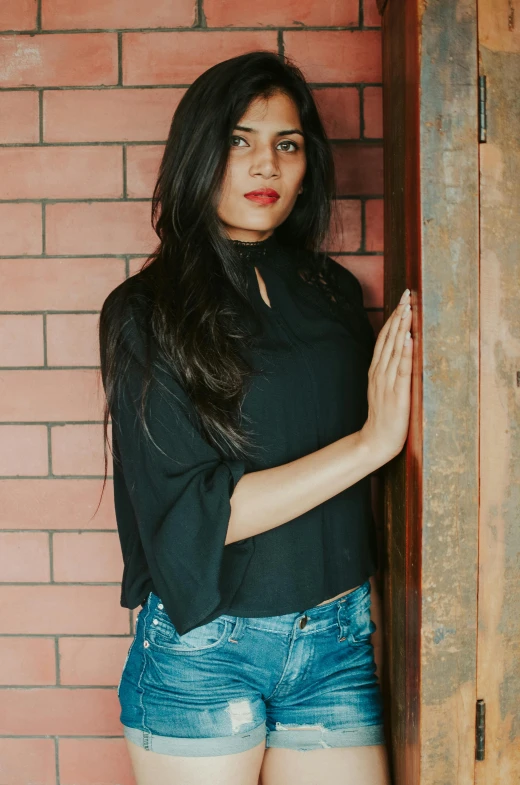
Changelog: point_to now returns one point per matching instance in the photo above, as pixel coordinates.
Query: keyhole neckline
(258, 291)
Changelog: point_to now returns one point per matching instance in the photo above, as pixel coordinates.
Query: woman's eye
(288, 141)
(285, 142)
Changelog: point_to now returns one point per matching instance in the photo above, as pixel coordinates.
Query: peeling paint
(441, 632)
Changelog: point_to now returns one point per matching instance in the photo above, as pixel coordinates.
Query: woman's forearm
(268, 498)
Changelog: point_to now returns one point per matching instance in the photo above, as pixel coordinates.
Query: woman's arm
(265, 499)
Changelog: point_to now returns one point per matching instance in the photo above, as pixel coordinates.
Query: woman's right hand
(389, 382)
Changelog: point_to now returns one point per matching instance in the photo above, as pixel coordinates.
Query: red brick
(369, 271)
(290, 13)
(18, 15)
(100, 228)
(23, 450)
(72, 339)
(56, 504)
(94, 761)
(21, 340)
(141, 115)
(61, 172)
(345, 233)
(28, 760)
(359, 170)
(27, 661)
(57, 284)
(22, 110)
(336, 55)
(339, 111)
(77, 449)
(373, 112)
(59, 60)
(371, 15)
(67, 15)
(179, 58)
(50, 609)
(12, 240)
(87, 557)
(374, 218)
(96, 662)
(24, 556)
(59, 711)
(142, 170)
(43, 396)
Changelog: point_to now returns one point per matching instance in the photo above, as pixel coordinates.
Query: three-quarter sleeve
(180, 489)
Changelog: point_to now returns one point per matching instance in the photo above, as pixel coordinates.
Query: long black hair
(196, 280)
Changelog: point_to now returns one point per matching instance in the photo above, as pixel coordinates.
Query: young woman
(250, 404)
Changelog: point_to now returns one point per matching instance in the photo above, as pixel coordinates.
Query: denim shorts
(227, 685)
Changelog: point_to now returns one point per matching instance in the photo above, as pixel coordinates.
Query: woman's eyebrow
(280, 133)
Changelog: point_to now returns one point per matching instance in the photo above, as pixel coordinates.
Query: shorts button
(146, 644)
(160, 606)
(303, 622)
(155, 621)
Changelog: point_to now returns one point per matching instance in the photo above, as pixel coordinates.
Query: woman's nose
(265, 161)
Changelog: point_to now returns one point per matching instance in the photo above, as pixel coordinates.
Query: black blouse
(172, 500)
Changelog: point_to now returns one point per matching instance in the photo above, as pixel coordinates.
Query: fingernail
(405, 296)
(406, 310)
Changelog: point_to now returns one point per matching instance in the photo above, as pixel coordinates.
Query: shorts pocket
(162, 635)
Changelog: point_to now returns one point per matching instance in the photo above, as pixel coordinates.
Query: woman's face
(267, 154)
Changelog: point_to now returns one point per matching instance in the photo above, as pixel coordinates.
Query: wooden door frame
(498, 662)
(430, 111)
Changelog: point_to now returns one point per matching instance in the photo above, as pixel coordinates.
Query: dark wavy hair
(196, 279)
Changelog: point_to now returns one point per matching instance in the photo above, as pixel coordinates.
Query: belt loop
(342, 626)
(237, 629)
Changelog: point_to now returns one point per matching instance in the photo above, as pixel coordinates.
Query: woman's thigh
(341, 766)
(154, 768)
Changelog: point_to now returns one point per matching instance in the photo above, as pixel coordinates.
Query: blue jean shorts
(227, 685)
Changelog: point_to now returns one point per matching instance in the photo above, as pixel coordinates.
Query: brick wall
(87, 90)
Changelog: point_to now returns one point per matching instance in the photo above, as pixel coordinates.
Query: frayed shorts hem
(285, 737)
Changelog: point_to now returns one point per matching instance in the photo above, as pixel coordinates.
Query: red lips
(263, 196)
(266, 192)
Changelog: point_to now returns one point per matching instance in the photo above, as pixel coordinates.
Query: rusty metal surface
(498, 668)
(431, 489)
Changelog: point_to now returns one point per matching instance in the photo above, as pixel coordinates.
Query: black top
(172, 502)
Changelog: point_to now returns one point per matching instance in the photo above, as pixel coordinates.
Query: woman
(249, 408)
